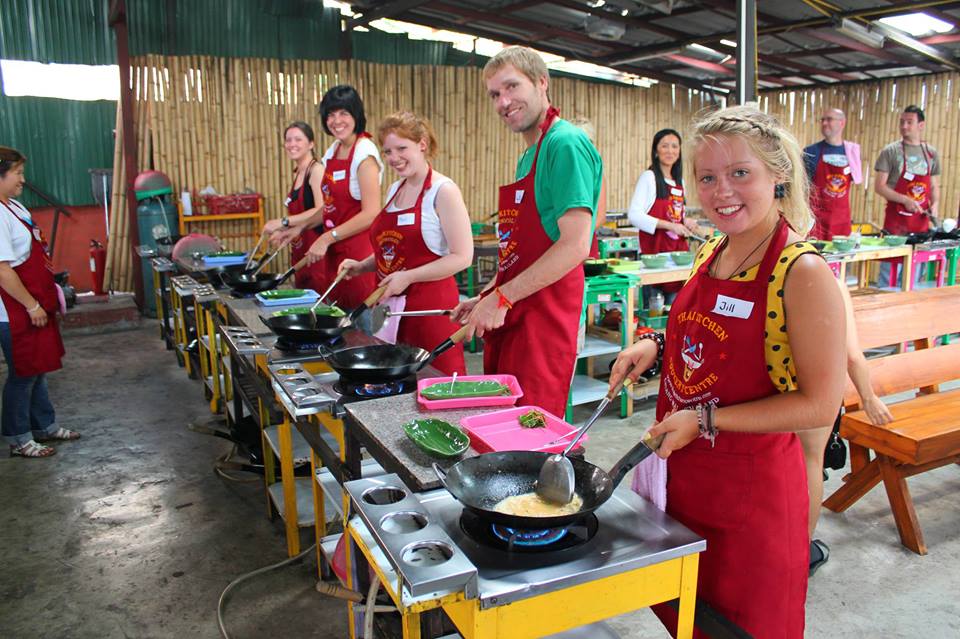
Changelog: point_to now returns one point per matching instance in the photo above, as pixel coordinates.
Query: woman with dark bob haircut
(350, 189)
(28, 324)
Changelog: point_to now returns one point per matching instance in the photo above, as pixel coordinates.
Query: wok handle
(441, 474)
(644, 448)
(293, 269)
(446, 345)
(374, 297)
(324, 351)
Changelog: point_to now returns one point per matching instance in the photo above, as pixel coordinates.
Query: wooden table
(872, 253)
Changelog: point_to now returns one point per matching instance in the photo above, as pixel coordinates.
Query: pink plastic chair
(919, 259)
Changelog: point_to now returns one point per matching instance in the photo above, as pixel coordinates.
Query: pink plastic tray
(501, 430)
(471, 402)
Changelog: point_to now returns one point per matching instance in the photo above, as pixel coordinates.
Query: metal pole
(118, 21)
(746, 51)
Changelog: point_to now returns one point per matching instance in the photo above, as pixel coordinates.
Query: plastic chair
(921, 258)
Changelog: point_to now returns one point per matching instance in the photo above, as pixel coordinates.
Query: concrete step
(101, 314)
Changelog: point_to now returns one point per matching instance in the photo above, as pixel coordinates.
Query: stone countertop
(377, 424)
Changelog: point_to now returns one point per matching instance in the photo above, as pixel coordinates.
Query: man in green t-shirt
(530, 313)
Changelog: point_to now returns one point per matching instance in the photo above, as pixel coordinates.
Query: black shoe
(819, 554)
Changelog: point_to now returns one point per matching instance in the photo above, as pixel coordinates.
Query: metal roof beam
(637, 23)
(850, 43)
(385, 10)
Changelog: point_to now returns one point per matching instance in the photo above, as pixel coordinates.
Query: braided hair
(774, 145)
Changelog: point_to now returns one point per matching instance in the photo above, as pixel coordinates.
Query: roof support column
(746, 51)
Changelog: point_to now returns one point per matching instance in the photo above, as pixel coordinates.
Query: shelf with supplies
(254, 217)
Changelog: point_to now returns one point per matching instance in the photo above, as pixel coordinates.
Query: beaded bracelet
(705, 423)
(658, 338)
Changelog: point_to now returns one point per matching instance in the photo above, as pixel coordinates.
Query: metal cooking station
(325, 448)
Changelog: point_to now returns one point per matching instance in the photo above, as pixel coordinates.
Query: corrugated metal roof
(65, 31)
(375, 46)
(61, 139)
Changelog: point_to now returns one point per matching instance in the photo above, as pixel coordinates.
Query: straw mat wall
(218, 121)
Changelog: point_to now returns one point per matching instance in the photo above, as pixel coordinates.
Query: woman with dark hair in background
(350, 190)
(298, 142)
(28, 326)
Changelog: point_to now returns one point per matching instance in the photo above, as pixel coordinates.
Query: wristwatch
(333, 234)
(285, 222)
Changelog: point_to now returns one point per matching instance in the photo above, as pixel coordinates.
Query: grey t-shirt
(891, 161)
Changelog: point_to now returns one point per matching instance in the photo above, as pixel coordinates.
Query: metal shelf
(304, 493)
(594, 346)
(585, 389)
(301, 449)
(208, 380)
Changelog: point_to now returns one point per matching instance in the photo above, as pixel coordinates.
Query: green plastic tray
(462, 390)
(437, 437)
(283, 293)
(227, 254)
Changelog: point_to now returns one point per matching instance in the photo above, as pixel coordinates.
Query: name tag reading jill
(518, 196)
(908, 175)
(676, 191)
(406, 219)
(339, 175)
(732, 307)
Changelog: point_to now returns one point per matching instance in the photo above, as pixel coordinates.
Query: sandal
(819, 554)
(61, 434)
(32, 449)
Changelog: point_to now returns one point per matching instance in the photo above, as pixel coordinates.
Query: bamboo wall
(219, 122)
(873, 110)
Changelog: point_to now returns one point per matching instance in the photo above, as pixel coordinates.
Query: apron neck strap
(552, 114)
(769, 261)
(423, 189)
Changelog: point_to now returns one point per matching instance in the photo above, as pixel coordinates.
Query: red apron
(308, 276)
(338, 207)
(35, 350)
(830, 200)
(901, 222)
(748, 495)
(538, 341)
(670, 208)
(399, 246)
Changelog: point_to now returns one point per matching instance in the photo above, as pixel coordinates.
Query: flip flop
(823, 550)
(61, 434)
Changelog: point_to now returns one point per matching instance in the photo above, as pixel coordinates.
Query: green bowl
(895, 240)
(682, 258)
(283, 293)
(843, 244)
(437, 437)
(654, 261)
(871, 241)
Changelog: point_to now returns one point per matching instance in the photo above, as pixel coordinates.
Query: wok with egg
(480, 483)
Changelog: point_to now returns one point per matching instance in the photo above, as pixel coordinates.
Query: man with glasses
(833, 164)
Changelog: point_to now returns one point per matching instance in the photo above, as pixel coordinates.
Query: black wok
(249, 283)
(301, 328)
(481, 482)
(385, 362)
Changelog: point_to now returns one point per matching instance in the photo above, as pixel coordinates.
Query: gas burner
(524, 537)
(528, 540)
(288, 346)
(241, 296)
(372, 391)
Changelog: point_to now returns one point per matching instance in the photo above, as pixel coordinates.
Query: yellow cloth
(777, 352)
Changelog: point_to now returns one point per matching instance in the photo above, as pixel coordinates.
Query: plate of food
(520, 428)
(468, 391)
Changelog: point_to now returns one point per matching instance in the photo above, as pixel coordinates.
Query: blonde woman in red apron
(301, 203)
(29, 335)
(421, 239)
(757, 297)
(529, 314)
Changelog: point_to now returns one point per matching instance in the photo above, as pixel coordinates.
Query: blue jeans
(26, 403)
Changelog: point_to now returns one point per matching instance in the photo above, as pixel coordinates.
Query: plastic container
(234, 203)
(471, 402)
(656, 303)
(501, 430)
(308, 297)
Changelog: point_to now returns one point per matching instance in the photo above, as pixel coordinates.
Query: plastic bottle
(656, 303)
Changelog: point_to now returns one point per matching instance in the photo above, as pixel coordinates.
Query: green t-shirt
(569, 173)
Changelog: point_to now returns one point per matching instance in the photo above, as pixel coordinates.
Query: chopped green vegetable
(533, 419)
(485, 388)
(227, 254)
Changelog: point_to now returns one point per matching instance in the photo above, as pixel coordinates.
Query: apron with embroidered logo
(339, 206)
(398, 245)
(896, 219)
(748, 495)
(830, 200)
(538, 341)
(35, 350)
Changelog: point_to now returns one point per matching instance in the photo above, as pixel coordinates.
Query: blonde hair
(773, 145)
(585, 125)
(412, 127)
(526, 61)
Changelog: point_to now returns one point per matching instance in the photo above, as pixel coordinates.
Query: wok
(481, 482)
(385, 362)
(249, 283)
(302, 329)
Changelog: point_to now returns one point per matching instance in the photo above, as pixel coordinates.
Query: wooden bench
(925, 433)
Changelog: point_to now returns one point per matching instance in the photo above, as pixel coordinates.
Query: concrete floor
(129, 533)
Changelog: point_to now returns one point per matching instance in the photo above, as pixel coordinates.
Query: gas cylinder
(98, 265)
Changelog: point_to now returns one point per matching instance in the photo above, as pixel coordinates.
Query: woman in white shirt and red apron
(301, 202)
(658, 205)
(421, 239)
(28, 325)
(757, 296)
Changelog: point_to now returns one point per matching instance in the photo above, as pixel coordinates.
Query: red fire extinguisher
(98, 264)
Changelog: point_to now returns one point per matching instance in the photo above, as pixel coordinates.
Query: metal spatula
(556, 480)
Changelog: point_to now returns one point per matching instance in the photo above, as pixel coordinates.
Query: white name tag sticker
(676, 191)
(339, 175)
(732, 307)
(518, 196)
(908, 176)
(846, 170)
(406, 219)
(287, 201)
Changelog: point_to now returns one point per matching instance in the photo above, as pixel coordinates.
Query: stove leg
(688, 595)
